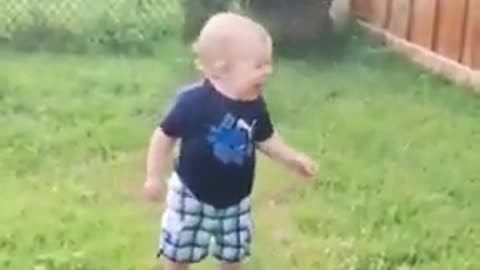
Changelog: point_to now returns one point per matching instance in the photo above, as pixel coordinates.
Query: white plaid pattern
(189, 227)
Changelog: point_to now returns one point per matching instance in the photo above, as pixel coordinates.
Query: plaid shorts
(191, 230)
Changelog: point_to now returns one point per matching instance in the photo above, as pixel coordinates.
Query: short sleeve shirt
(217, 142)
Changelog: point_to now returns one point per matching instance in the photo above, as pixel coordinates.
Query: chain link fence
(140, 26)
(84, 25)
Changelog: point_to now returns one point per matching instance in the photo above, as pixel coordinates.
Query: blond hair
(221, 33)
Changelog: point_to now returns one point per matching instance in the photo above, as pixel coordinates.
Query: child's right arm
(159, 154)
(175, 125)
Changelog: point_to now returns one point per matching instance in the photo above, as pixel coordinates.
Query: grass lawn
(398, 150)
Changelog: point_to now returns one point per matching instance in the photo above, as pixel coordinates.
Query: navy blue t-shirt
(218, 136)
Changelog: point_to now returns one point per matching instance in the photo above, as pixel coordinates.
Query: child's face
(250, 68)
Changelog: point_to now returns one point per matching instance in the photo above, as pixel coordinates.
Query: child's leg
(231, 266)
(185, 237)
(175, 266)
(233, 239)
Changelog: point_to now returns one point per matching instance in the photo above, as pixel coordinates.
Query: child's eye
(261, 65)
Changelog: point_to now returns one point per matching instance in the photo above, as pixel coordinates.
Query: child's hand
(304, 165)
(152, 189)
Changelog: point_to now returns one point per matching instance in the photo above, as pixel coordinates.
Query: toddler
(220, 122)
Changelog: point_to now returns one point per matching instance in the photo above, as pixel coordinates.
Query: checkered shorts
(192, 229)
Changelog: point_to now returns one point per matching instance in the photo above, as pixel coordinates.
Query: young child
(220, 122)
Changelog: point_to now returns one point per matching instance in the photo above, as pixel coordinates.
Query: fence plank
(380, 12)
(423, 22)
(450, 28)
(434, 62)
(471, 56)
(362, 9)
(399, 20)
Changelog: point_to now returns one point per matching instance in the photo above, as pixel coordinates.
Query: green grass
(82, 26)
(398, 150)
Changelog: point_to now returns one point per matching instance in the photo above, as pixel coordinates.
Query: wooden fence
(447, 32)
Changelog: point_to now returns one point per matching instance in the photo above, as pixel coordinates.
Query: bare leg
(175, 266)
(230, 266)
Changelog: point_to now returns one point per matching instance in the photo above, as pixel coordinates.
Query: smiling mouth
(259, 85)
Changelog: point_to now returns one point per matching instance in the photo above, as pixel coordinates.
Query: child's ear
(220, 67)
(199, 66)
(205, 70)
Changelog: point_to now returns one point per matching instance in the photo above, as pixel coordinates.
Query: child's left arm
(277, 149)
